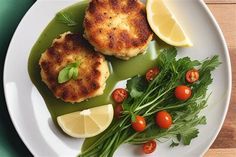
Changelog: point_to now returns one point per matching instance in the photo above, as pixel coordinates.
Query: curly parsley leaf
(188, 135)
(136, 86)
(174, 144)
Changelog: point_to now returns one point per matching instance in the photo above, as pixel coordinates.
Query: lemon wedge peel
(82, 124)
(176, 28)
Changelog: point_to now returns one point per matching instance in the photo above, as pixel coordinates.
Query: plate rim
(229, 68)
(228, 64)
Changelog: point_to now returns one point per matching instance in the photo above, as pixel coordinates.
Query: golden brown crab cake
(117, 27)
(93, 69)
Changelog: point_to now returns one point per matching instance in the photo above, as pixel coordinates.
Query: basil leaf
(63, 75)
(68, 72)
(74, 65)
(71, 73)
(75, 73)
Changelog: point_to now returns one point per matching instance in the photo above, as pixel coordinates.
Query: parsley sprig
(147, 99)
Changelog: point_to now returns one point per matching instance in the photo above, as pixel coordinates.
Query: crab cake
(92, 72)
(117, 27)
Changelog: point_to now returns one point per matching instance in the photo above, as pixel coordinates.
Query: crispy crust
(93, 70)
(118, 28)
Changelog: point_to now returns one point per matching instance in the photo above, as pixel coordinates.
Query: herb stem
(151, 102)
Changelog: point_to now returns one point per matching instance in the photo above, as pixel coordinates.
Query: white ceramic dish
(32, 119)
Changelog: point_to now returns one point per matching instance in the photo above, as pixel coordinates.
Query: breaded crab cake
(117, 27)
(92, 72)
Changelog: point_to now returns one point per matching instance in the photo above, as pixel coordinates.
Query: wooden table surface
(225, 13)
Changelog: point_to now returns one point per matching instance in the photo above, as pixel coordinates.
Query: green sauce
(119, 69)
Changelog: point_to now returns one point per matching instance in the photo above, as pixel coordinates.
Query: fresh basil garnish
(68, 72)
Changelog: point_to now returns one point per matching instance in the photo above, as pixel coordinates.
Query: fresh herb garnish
(158, 96)
(68, 72)
(136, 86)
(65, 18)
(174, 144)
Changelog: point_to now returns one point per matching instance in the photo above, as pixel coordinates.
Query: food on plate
(152, 112)
(149, 147)
(192, 75)
(119, 95)
(117, 28)
(86, 123)
(163, 102)
(163, 119)
(118, 111)
(72, 70)
(183, 92)
(152, 73)
(165, 25)
(139, 123)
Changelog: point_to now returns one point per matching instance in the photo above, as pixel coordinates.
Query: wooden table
(225, 14)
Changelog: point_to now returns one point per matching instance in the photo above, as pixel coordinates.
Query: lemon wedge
(165, 25)
(86, 123)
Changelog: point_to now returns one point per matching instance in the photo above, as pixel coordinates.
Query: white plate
(32, 119)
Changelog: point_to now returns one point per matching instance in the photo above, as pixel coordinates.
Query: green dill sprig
(65, 18)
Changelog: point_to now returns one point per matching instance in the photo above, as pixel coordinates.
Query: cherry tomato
(182, 92)
(139, 124)
(119, 95)
(192, 75)
(152, 73)
(118, 110)
(149, 147)
(163, 119)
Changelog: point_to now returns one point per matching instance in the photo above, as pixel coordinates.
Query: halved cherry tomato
(182, 92)
(119, 95)
(152, 73)
(139, 124)
(118, 110)
(192, 75)
(163, 119)
(149, 147)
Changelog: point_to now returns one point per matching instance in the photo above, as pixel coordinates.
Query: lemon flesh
(165, 25)
(86, 123)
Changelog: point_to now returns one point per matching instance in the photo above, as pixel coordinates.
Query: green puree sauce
(119, 69)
